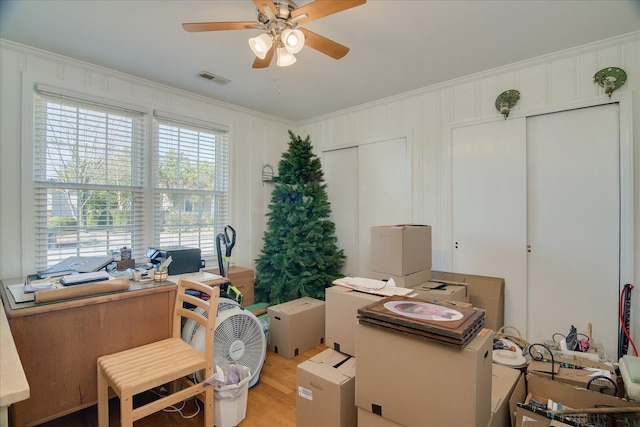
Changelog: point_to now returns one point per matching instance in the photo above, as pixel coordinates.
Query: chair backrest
(208, 301)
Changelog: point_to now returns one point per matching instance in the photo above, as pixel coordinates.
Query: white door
(573, 220)
(341, 177)
(489, 208)
(367, 185)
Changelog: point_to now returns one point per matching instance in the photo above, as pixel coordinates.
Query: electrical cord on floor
(171, 409)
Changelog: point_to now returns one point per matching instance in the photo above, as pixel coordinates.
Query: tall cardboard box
(296, 326)
(401, 250)
(342, 306)
(326, 391)
(484, 292)
(418, 382)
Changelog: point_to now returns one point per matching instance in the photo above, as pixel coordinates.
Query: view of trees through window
(86, 172)
(190, 185)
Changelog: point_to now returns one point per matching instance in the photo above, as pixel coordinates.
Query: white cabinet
(537, 201)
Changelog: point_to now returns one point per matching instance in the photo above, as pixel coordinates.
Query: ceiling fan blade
(324, 45)
(321, 8)
(194, 27)
(264, 63)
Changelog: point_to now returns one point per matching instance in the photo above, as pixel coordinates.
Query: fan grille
(239, 338)
(240, 327)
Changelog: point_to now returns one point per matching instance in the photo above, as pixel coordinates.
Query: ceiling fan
(279, 19)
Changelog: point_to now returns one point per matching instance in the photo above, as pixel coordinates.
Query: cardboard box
(342, 306)
(401, 250)
(438, 292)
(579, 377)
(296, 326)
(504, 388)
(484, 292)
(367, 419)
(540, 388)
(326, 391)
(408, 281)
(418, 382)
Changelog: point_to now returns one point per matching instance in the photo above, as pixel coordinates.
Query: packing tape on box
(77, 291)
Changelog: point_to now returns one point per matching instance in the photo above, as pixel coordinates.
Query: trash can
(230, 402)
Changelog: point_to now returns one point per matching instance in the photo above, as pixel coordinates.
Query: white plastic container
(230, 402)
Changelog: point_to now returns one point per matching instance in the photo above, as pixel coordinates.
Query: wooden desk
(59, 342)
(13, 382)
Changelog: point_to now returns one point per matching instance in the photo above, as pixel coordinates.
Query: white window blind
(191, 182)
(88, 178)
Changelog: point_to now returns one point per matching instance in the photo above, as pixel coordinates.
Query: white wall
(256, 139)
(553, 82)
(426, 116)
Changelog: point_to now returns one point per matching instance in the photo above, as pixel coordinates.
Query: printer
(184, 260)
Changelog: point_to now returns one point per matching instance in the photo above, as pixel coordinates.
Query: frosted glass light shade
(285, 58)
(293, 40)
(260, 45)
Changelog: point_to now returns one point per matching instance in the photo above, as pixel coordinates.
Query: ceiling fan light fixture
(293, 40)
(285, 58)
(260, 45)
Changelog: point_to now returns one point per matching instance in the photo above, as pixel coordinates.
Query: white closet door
(384, 191)
(367, 185)
(574, 208)
(341, 177)
(489, 208)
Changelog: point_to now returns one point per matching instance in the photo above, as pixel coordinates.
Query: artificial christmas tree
(299, 257)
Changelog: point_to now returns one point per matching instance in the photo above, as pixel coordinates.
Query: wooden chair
(171, 360)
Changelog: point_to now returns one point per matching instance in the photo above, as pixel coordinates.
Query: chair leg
(126, 410)
(103, 400)
(208, 406)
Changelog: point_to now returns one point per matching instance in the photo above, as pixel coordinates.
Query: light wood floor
(271, 402)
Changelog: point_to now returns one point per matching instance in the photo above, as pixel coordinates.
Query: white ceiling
(396, 46)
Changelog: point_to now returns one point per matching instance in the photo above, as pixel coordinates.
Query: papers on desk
(372, 286)
(39, 286)
(25, 293)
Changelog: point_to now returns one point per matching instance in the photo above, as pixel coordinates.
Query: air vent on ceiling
(210, 76)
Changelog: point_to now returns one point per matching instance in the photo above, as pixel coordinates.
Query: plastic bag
(236, 383)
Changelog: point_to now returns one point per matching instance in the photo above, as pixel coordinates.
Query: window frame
(72, 134)
(30, 82)
(221, 190)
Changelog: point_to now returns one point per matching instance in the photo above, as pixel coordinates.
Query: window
(88, 178)
(191, 186)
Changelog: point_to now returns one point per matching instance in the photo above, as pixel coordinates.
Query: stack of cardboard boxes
(404, 380)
